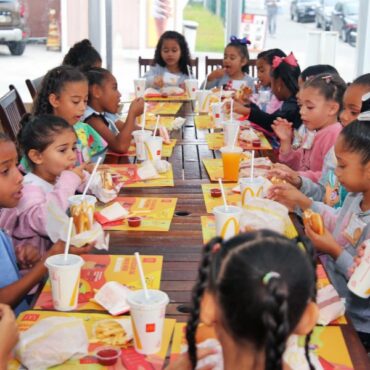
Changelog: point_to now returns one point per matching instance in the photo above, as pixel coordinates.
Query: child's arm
(15, 292)
(8, 334)
(213, 78)
(121, 142)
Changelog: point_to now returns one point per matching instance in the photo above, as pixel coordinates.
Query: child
(8, 334)
(171, 56)
(327, 189)
(64, 93)
(264, 67)
(13, 289)
(48, 143)
(247, 290)
(321, 99)
(83, 55)
(101, 112)
(315, 70)
(284, 85)
(235, 67)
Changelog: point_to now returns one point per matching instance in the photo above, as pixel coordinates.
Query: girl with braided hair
(248, 291)
(64, 93)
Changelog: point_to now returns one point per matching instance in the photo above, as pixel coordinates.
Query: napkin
(112, 213)
(104, 195)
(331, 306)
(178, 122)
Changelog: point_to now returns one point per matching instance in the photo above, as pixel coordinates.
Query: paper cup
(147, 318)
(251, 188)
(75, 201)
(153, 147)
(202, 100)
(359, 283)
(230, 160)
(65, 280)
(139, 86)
(217, 114)
(139, 137)
(191, 86)
(231, 129)
(227, 221)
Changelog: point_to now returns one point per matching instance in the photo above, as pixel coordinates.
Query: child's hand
(288, 195)
(137, 107)
(284, 172)
(357, 259)
(27, 256)
(8, 333)
(324, 243)
(237, 108)
(79, 170)
(216, 74)
(283, 129)
(183, 361)
(158, 81)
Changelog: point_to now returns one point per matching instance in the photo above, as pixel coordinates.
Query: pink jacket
(26, 222)
(309, 162)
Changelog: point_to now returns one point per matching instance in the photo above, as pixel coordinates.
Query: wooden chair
(31, 88)
(213, 63)
(146, 63)
(12, 110)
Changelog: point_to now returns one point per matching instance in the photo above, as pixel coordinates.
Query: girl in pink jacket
(320, 99)
(49, 145)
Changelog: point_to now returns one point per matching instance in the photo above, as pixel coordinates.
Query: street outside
(36, 61)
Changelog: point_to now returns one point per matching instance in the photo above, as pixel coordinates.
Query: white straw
(91, 178)
(252, 166)
(68, 242)
(189, 70)
(231, 109)
(141, 273)
(156, 125)
(235, 137)
(221, 90)
(205, 83)
(143, 119)
(223, 193)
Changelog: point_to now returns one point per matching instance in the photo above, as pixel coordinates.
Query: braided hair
(255, 309)
(82, 55)
(184, 62)
(289, 75)
(53, 83)
(97, 76)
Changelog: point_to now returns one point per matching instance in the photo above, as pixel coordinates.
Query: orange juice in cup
(230, 159)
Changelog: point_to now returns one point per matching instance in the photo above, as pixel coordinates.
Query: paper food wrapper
(178, 122)
(152, 169)
(112, 213)
(104, 195)
(331, 306)
(216, 359)
(261, 166)
(57, 229)
(52, 341)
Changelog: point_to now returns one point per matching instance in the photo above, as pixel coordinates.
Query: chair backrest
(11, 111)
(145, 63)
(31, 88)
(213, 63)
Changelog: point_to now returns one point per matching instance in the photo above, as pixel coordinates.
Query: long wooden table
(182, 245)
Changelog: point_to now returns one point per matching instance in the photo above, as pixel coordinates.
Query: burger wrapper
(52, 341)
(104, 195)
(331, 306)
(57, 229)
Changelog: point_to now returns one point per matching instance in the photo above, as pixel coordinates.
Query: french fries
(110, 332)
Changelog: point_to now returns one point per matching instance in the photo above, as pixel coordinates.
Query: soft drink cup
(227, 221)
(147, 318)
(191, 86)
(359, 283)
(65, 280)
(264, 96)
(231, 130)
(230, 160)
(251, 188)
(76, 200)
(139, 85)
(153, 147)
(139, 137)
(203, 101)
(217, 114)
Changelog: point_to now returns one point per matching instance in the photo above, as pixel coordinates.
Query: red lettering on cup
(150, 328)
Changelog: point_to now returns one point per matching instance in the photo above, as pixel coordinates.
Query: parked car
(12, 25)
(303, 10)
(344, 19)
(323, 14)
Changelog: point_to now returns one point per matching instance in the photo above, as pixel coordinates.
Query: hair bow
(327, 78)
(243, 41)
(290, 59)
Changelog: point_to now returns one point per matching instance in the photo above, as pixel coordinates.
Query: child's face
(263, 72)
(10, 177)
(351, 173)
(352, 103)
(110, 96)
(315, 110)
(171, 52)
(60, 155)
(233, 61)
(71, 103)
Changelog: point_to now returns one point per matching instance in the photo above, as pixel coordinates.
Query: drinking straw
(68, 242)
(189, 70)
(141, 273)
(143, 121)
(252, 166)
(91, 178)
(205, 83)
(231, 109)
(156, 125)
(223, 193)
(235, 137)
(221, 90)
